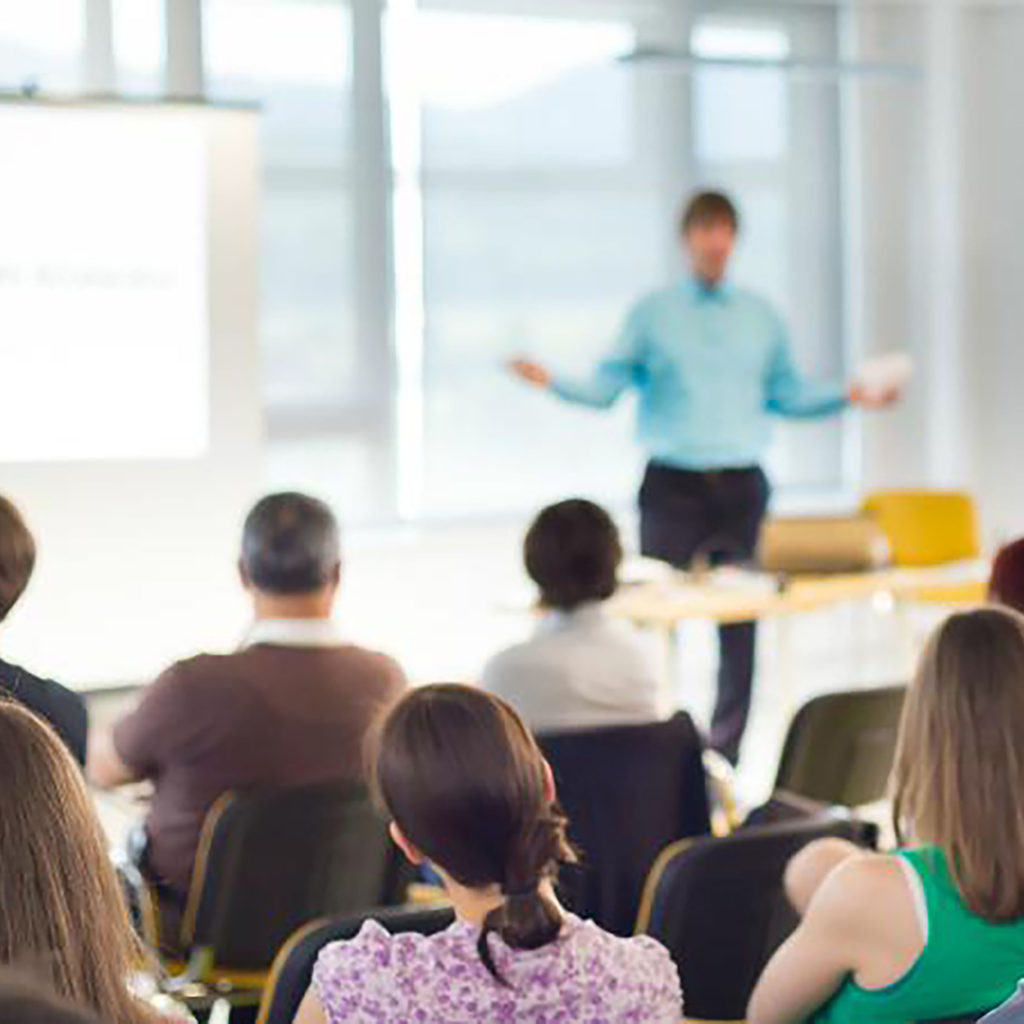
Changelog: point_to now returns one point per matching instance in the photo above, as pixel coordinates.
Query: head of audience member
(468, 791)
(1006, 584)
(959, 768)
(24, 1002)
(291, 557)
(17, 556)
(709, 225)
(572, 551)
(63, 913)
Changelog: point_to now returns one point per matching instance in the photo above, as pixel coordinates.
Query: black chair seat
(628, 791)
(719, 906)
(273, 860)
(839, 747)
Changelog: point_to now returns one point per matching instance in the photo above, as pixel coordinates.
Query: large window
(139, 45)
(41, 45)
(457, 183)
(294, 58)
(540, 225)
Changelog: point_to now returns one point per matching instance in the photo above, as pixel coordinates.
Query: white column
(407, 252)
(98, 75)
(184, 75)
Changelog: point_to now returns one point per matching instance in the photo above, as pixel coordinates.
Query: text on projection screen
(103, 308)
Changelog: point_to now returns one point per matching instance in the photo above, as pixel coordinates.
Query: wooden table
(726, 596)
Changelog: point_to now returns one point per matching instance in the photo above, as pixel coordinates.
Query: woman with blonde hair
(936, 929)
(62, 916)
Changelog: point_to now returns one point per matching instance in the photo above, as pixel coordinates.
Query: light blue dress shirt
(710, 367)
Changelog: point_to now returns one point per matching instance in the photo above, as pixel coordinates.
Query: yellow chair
(929, 528)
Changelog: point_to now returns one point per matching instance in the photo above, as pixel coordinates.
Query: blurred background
(438, 186)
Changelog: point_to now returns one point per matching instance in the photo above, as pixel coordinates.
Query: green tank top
(968, 964)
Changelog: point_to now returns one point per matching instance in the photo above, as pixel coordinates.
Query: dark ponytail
(466, 783)
(529, 918)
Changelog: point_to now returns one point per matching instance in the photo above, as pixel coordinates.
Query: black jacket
(61, 707)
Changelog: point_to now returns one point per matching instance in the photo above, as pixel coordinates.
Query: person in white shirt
(582, 668)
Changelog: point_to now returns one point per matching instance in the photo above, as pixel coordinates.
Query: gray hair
(290, 544)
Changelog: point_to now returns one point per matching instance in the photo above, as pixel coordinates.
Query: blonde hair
(63, 916)
(959, 768)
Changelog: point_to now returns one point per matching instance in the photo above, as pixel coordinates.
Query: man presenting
(711, 363)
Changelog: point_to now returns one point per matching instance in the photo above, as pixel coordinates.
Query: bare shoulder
(863, 895)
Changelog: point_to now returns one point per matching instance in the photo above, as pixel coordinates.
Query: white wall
(135, 557)
(993, 257)
(940, 261)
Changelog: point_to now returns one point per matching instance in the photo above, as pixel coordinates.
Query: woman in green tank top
(936, 929)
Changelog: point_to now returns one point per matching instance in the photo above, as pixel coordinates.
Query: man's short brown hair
(709, 207)
(17, 556)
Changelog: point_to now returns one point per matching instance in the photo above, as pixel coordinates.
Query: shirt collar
(591, 613)
(293, 633)
(697, 289)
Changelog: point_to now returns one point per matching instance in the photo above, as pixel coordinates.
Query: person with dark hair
(711, 363)
(1006, 583)
(582, 668)
(61, 707)
(290, 708)
(469, 793)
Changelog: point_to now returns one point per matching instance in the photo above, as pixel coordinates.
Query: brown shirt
(268, 715)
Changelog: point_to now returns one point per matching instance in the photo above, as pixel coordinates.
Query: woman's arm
(311, 1011)
(839, 933)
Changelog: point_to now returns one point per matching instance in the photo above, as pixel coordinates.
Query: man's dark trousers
(688, 516)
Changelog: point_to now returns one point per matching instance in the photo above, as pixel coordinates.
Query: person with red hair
(1006, 584)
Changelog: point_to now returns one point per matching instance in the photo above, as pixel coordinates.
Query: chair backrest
(272, 860)
(840, 746)
(293, 966)
(719, 906)
(926, 527)
(628, 792)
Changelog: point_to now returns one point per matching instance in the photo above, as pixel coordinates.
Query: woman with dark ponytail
(468, 792)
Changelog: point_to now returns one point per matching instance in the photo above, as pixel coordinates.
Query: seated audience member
(469, 793)
(935, 930)
(64, 710)
(582, 668)
(1006, 584)
(290, 708)
(62, 916)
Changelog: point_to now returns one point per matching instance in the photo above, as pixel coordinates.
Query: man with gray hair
(290, 707)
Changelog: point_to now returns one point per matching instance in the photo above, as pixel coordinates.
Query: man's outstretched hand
(871, 399)
(532, 373)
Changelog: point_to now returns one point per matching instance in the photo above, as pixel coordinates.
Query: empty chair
(293, 966)
(719, 906)
(840, 746)
(271, 861)
(927, 527)
(628, 792)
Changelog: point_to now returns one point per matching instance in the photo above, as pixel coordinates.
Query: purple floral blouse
(586, 976)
